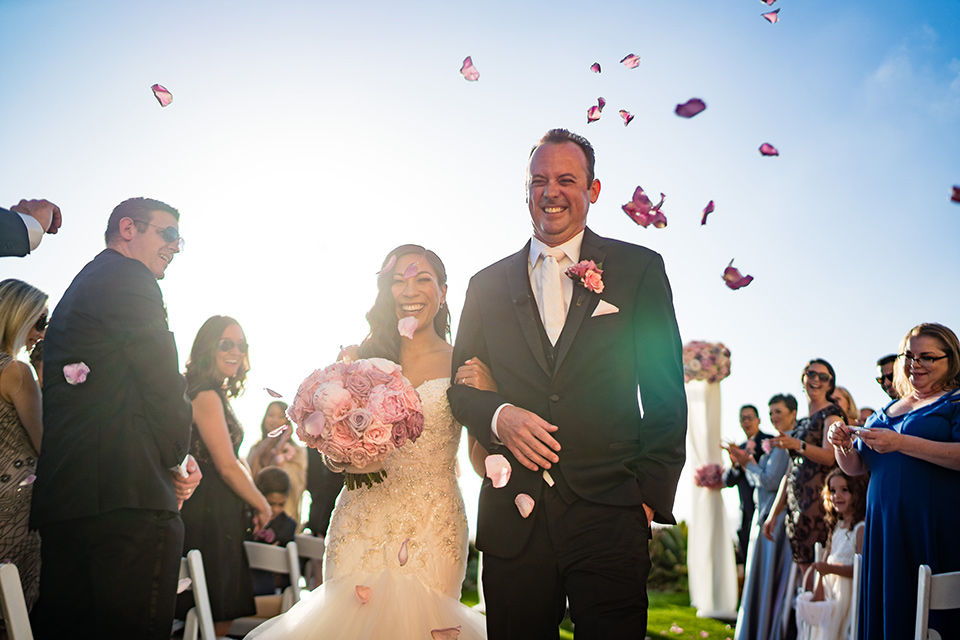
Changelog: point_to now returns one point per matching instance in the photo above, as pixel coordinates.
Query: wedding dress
(419, 503)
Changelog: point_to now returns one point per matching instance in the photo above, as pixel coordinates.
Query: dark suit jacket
(14, 240)
(109, 442)
(610, 455)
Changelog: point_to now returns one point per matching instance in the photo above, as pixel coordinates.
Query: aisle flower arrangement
(708, 361)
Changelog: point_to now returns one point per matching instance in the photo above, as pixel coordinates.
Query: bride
(404, 539)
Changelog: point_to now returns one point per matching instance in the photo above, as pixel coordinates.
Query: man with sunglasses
(108, 488)
(885, 375)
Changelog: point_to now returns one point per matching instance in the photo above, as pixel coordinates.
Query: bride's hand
(474, 373)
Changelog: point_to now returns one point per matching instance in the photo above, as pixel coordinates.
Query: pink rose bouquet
(708, 476)
(356, 414)
(708, 361)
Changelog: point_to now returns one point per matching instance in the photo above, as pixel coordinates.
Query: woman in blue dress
(912, 450)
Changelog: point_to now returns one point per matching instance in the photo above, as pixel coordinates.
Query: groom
(569, 360)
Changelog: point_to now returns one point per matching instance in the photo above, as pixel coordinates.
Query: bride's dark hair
(383, 340)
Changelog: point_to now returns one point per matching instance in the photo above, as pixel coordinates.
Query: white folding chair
(312, 548)
(283, 560)
(855, 605)
(199, 620)
(14, 606)
(934, 592)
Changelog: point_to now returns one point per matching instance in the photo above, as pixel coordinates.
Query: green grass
(668, 616)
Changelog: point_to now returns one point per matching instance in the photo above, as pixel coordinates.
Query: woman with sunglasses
(811, 458)
(216, 518)
(23, 320)
(911, 448)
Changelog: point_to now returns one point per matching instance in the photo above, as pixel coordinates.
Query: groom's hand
(527, 435)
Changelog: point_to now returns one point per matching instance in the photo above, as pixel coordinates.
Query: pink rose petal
(315, 423)
(386, 268)
(734, 279)
(30, 479)
(601, 103)
(75, 373)
(183, 584)
(524, 504)
(363, 593)
(163, 96)
(276, 432)
(595, 67)
(768, 149)
(659, 221)
(704, 634)
(412, 269)
(408, 326)
(469, 71)
(772, 17)
(707, 210)
(498, 469)
(403, 556)
(450, 633)
(273, 394)
(593, 114)
(627, 116)
(768, 2)
(631, 61)
(690, 108)
(956, 194)
(675, 629)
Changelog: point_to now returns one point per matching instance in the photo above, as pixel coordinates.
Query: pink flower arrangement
(708, 476)
(356, 414)
(708, 361)
(589, 273)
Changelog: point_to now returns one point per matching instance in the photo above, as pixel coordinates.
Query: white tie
(553, 312)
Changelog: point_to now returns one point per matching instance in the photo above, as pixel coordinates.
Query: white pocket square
(604, 308)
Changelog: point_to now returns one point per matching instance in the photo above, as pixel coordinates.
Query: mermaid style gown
(419, 502)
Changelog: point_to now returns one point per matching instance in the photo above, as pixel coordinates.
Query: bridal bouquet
(708, 361)
(356, 414)
(708, 476)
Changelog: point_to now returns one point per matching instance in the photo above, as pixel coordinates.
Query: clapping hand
(738, 456)
(44, 211)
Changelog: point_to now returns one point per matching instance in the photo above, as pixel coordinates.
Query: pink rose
(378, 433)
(592, 281)
(358, 384)
(387, 405)
(358, 420)
(359, 457)
(414, 425)
(333, 400)
(306, 438)
(303, 402)
(411, 399)
(335, 452)
(343, 435)
(399, 435)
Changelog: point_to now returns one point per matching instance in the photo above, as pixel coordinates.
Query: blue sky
(307, 139)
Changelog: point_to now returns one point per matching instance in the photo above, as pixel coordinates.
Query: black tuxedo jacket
(14, 239)
(587, 385)
(109, 442)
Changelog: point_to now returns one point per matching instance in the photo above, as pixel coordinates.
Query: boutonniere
(589, 273)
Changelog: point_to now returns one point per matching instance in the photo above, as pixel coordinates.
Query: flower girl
(825, 614)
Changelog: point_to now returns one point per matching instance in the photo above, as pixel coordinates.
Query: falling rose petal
(768, 2)
(498, 469)
(704, 634)
(627, 116)
(412, 269)
(469, 71)
(768, 149)
(450, 633)
(386, 268)
(407, 326)
(163, 96)
(273, 394)
(363, 593)
(639, 208)
(183, 584)
(601, 103)
(631, 61)
(734, 278)
(595, 67)
(674, 628)
(956, 194)
(276, 432)
(403, 555)
(707, 210)
(593, 114)
(75, 373)
(659, 220)
(524, 504)
(690, 108)
(30, 479)
(772, 17)
(314, 424)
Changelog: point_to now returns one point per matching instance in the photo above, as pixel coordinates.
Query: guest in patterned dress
(23, 320)
(216, 518)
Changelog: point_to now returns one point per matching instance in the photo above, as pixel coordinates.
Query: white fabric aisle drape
(711, 566)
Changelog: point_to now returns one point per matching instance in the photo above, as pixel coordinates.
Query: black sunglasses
(814, 375)
(226, 345)
(169, 234)
(41, 323)
(888, 377)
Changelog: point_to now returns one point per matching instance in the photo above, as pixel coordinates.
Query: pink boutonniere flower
(589, 273)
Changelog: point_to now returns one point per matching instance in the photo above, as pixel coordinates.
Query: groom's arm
(660, 375)
(473, 408)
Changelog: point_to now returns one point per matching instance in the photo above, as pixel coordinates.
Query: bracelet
(803, 447)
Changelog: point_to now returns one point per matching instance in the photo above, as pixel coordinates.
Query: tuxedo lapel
(583, 300)
(524, 305)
